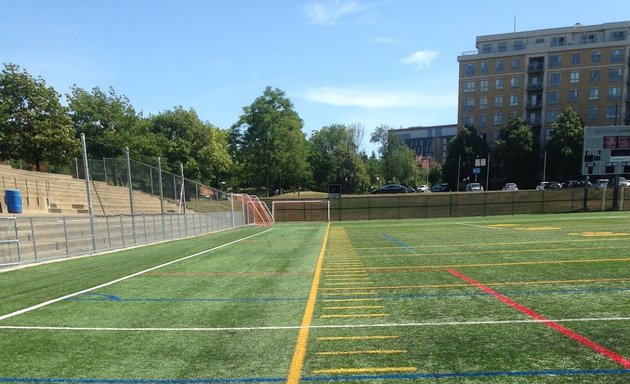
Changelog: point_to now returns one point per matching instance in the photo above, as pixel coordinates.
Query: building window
(558, 41)
(486, 48)
(554, 79)
(588, 39)
(502, 47)
(540, 41)
(555, 61)
(616, 56)
(515, 82)
(594, 75)
(574, 77)
(497, 119)
(574, 95)
(483, 85)
(552, 115)
(615, 75)
(518, 45)
(516, 64)
(618, 35)
(596, 57)
(612, 112)
(483, 121)
(483, 103)
(592, 112)
(469, 70)
(484, 68)
(593, 94)
(575, 58)
(553, 97)
(498, 101)
(469, 86)
(469, 105)
(513, 100)
(614, 93)
(499, 66)
(498, 84)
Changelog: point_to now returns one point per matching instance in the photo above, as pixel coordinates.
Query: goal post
(300, 210)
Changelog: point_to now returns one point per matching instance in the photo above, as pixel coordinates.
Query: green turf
(386, 301)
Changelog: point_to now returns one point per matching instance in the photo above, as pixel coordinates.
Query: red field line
(551, 324)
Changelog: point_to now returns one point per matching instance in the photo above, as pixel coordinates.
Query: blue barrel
(14, 200)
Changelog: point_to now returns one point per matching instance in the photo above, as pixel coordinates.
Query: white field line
(479, 226)
(40, 305)
(290, 327)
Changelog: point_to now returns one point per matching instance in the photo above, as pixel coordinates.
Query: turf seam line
(46, 303)
(624, 362)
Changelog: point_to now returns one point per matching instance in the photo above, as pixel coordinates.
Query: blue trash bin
(14, 200)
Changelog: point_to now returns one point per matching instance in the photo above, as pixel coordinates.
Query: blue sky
(371, 62)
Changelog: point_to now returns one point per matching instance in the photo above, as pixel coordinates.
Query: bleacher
(49, 193)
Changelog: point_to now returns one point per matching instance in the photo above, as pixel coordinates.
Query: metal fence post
(133, 220)
(65, 236)
(88, 191)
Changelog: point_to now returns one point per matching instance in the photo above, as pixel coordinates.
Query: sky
(367, 62)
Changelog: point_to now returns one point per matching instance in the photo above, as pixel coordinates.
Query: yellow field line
(354, 315)
(338, 338)
(476, 253)
(366, 352)
(577, 281)
(367, 370)
(573, 261)
(295, 369)
(346, 300)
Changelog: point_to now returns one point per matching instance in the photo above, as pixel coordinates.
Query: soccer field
(506, 299)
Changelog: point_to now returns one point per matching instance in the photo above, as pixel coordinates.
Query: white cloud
(387, 41)
(421, 59)
(371, 98)
(328, 13)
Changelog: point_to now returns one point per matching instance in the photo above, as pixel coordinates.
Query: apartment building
(428, 142)
(537, 74)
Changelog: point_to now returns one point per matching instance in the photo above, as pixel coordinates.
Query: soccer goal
(254, 210)
(301, 210)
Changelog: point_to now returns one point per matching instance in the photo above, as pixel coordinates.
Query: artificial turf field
(511, 299)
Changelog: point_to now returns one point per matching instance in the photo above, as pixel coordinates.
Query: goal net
(254, 210)
(301, 210)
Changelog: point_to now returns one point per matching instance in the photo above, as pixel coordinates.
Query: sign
(606, 150)
(477, 170)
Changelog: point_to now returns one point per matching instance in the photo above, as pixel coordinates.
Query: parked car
(422, 188)
(542, 185)
(601, 183)
(510, 187)
(473, 187)
(393, 188)
(441, 187)
(623, 182)
(548, 185)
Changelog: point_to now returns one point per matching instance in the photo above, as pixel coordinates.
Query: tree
(397, 160)
(515, 152)
(462, 151)
(34, 126)
(564, 149)
(335, 159)
(264, 134)
(107, 120)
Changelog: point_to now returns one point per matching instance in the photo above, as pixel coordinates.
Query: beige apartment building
(537, 74)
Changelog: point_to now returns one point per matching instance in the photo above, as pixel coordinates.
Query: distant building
(535, 75)
(429, 143)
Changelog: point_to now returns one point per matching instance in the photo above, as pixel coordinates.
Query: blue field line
(407, 247)
(407, 376)
(107, 297)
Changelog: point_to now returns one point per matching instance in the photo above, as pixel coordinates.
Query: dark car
(393, 188)
(441, 187)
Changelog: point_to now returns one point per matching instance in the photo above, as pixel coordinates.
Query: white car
(623, 182)
(422, 188)
(541, 186)
(510, 187)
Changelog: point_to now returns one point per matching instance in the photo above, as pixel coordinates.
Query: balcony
(534, 87)
(535, 68)
(533, 106)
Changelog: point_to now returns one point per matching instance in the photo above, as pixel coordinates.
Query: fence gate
(9, 242)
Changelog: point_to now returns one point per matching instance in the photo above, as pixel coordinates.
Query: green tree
(34, 126)
(462, 151)
(397, 160)
(264, 134)
(564, 149)
(108, 120)
(515, 152)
